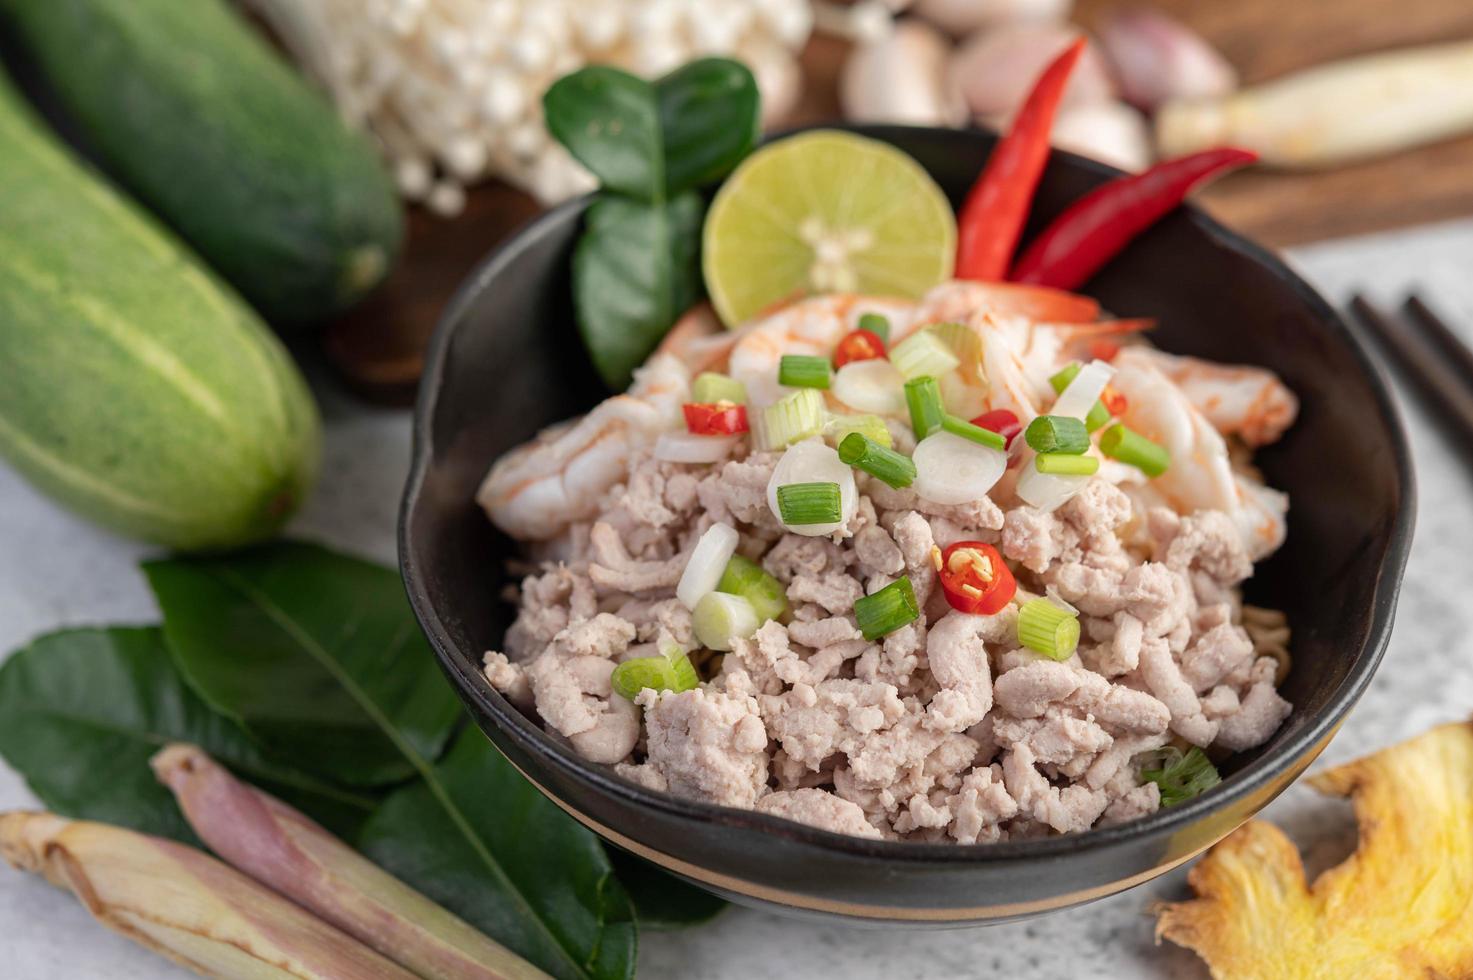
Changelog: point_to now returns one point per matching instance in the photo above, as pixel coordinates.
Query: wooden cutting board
(379, 348)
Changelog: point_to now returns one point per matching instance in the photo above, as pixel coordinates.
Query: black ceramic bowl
(507, 361)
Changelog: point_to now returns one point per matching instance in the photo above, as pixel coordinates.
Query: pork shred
(944, 730)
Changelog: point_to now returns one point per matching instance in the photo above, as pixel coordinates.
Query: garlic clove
(959, 18)
(778, 76)
(1110, 132)
(1157, 59)
(862, 22)
(902, 78)
(995, 69)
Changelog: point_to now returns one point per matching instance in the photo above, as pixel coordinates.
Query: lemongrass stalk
(285, 851)
(1334, 113)
(184, 904)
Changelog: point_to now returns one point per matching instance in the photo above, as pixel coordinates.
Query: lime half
(825, 212)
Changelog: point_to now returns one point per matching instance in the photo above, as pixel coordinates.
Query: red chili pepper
(859, 345)
(1096, 227)
(1114, 402)
(715, 419)
(993, 215)
(1001, 421)
(975, 578)
(1103, 350)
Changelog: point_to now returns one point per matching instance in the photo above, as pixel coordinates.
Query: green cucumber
(134, 386)
(185, 104)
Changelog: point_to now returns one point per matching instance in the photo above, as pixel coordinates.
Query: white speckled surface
(55, 571)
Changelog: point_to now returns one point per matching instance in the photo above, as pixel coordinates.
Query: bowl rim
(1255, 777)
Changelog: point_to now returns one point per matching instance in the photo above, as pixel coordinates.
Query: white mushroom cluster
(452, 89)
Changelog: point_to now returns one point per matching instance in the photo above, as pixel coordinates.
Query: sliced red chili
(975, 578)
(1001, 421)
(1103, 350)
(715, 419)
(859, 345)
(1114, 402)
(996, 208)
(1095, 228)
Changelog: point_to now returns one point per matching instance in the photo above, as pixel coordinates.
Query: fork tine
(1428, 372)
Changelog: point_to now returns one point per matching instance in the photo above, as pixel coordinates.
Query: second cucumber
(193, 112)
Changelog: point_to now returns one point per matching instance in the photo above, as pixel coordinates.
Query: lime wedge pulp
(825, 212)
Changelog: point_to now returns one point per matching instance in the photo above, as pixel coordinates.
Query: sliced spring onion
(973, 433)
(1066, 464)
(878, 461)
(686, 447)
(840, 427)
(710, 387)
(1182, 775)
(804, 371)
(1057, 434)
(870, 386)
(923, 353)
(1097, 415)
(962, 341)
(1045, 628)
(671, 671)
(813, 462)
(1061, 378)
(1129, 446)
(633, 676)
(706, 564)
(684, 673)
(954, 470)
(1081, 394)
(876, 324)
(923, 398)
(1046, 491)
(746, 578)
(796, 416)
(887, 610)
(721, 618)
(809, 503)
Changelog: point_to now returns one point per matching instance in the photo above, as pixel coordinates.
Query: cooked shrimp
(535, 491)
(960, 299)
(1201, 475)
(699, 340)
(1238, 399)
(1020, 355)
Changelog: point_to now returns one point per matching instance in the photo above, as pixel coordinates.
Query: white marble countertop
(56, 571)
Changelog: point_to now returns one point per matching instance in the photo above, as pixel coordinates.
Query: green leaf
(482, 841)
(649, 142)
(318, 655)
(709, 118)
(635, 270)
(315, 653)
(661, 900)
(82, 711)
(610, 121)
(636, 266)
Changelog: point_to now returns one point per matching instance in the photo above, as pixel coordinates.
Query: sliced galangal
(1400, 906)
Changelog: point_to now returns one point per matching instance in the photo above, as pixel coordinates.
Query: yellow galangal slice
(1400, 906)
